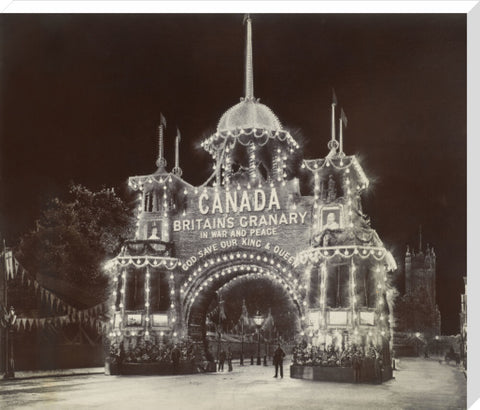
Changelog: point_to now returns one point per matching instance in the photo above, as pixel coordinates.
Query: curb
(33, 375)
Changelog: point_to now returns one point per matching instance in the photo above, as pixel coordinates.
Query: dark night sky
(81, 95)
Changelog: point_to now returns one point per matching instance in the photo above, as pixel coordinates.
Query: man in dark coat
(221, 360)
(278, 361)
(175, 354)
(379, 369)
(229, 360)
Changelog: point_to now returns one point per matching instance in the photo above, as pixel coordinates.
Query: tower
(422, 314)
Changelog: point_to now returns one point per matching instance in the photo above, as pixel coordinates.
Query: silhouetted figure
(379, 369)
(278, 356)
(175, 355)
(357, 366)
(221, 360)
(229, 360)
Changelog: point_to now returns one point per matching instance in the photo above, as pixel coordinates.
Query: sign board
(337, 317)
(134, 319)
(367, 318)
(159, 319)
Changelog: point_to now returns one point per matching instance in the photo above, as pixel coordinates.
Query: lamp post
(417, 340)
(436, 344)
(8, 321)
(241, 354)
(258, 320)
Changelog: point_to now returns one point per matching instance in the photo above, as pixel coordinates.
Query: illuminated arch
(209, 275)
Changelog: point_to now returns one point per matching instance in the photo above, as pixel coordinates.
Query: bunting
(90, 315)
(85, 317)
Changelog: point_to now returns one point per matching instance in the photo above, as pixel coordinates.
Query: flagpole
(5, 307)
(341, 134)
(177, 150)
(241, 354)
(161, 162)
(334, 102)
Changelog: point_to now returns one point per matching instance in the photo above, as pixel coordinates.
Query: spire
(161, 161)
(177, 170)
(248, 60)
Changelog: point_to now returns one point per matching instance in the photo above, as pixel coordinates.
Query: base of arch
(339, 374)
(158, 368)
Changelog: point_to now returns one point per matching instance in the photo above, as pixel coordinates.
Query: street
(418, 384)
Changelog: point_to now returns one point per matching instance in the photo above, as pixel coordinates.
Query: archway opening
(247, 314)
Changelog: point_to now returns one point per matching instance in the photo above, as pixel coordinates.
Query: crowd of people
(305, 354)
(146, 351)
(362, 359)
(366, 361)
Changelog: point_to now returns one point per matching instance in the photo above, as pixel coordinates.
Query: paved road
(419, 384)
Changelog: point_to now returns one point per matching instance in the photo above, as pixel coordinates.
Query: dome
(249, 113)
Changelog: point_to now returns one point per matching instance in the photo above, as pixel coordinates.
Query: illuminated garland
(142, 261)
(261, 136)
(197, 282)
(196, 289)
(172, 310)
(316, 165)
(346, 251)
(138, 182)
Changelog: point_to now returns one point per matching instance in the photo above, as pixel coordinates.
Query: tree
(74, 237)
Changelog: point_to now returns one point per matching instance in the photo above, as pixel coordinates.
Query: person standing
(379, 369)
(221, 360)
(357, 366)
(175, 354)
(229, 360)
(278, 356)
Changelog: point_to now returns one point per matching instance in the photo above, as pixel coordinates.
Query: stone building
(417, 319)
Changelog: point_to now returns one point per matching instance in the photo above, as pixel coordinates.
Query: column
(252, 162)
(147, 301)
(323, 286)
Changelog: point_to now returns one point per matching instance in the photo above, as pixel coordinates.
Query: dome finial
(248, 60)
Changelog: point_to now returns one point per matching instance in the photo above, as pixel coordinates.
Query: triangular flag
(163, 121)
(344, 118)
